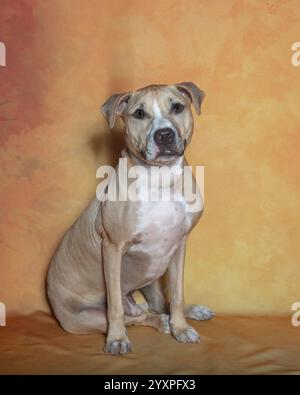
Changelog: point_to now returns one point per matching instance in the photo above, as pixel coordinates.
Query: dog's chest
(160, 228)
(161, 219)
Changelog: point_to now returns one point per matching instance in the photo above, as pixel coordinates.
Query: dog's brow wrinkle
(156, 109)
(138, 105)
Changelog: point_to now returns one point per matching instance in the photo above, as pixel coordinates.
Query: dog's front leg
(117, 341)
(181, 330)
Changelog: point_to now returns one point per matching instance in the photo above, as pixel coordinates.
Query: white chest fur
(160, 227)
(161, 223)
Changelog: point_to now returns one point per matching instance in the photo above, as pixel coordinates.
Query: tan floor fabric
(230, 344)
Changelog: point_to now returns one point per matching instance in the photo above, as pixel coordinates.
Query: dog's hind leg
(84, 321)
(88, 320)
(155, 297)
(161, 322)
(131, 308)
(136, 314)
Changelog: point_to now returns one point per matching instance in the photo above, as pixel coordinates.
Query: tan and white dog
(118, 247)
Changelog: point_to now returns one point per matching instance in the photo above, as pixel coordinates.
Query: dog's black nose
(164, 136)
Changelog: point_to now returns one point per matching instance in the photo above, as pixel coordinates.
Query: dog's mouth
(162, 157)
(167, 153)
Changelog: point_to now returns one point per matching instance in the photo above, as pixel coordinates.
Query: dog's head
(158, 119)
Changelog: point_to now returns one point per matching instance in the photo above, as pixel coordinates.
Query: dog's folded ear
(192, 91)
(115, 105)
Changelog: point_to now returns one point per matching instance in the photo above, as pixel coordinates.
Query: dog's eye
(139, 114)
(177, 108)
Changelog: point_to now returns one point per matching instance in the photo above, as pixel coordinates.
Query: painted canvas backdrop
(64, 58)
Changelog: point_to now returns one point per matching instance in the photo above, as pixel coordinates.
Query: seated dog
(118, 247)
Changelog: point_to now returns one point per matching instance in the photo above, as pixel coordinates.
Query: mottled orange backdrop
(64, 58)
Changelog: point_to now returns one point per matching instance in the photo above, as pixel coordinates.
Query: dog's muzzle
(163, 140)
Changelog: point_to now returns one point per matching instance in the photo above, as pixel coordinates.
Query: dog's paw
(197, 312)
(131, 308)
(186, 335)
(134, 310)
(164, 321)
(117, 347)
